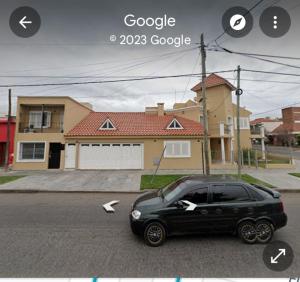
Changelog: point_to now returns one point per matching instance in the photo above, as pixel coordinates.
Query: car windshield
(174, 189)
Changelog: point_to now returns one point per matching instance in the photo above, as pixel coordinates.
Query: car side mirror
(179, 204)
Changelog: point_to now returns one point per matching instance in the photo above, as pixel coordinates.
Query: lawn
(6, 179)
(161, 181)
(296, 174)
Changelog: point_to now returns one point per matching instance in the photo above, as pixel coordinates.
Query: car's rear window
(229, 193)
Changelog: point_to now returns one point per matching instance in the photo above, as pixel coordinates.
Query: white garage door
(111, 156)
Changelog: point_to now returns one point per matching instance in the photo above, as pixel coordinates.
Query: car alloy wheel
(247, 232)
(155, 234)
(264, 231)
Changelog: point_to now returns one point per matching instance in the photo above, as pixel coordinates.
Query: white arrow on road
(191, 206)
(281, 252)
(23, 22)
(108, 206)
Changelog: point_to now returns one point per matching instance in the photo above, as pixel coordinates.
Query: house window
(244, 123)
(32, 151)
(174, 124)
(177, 149)
(107, 125)
(38, 119)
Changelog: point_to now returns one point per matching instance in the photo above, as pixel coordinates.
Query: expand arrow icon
(23, 22)
(108, 206)
(281, 252)
(191, 206)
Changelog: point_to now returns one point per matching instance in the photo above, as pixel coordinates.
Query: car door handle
(204, 212)
(219, 211)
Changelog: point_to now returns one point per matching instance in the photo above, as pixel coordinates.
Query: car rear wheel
(155, 234)
(264, 231)
(247, 232)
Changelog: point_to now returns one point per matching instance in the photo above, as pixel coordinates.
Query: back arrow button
(25, 22)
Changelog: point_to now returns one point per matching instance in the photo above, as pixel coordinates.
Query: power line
(254, 57)
(272, 72)
(107, 81)
(276, 109)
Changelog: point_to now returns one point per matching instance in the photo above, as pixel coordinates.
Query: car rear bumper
(280, 220)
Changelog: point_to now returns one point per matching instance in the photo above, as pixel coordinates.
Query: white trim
(30, 160)
(177, 142)
(107, 121)
(243, 119)
(174, 120)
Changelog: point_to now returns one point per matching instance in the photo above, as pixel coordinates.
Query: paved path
(70, 235)
(77, 180)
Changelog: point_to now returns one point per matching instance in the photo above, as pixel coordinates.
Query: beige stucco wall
(74, 112)
(153, 148)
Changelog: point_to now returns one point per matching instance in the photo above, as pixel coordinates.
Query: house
(288, 133)
(221, 115)
(59, 132)
(3, 135)
(41, 123)
(267, 125)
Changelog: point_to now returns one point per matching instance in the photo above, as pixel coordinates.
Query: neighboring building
(268, 125)
(40, 127)
(59, 132)
(221, 112)
(3, 135)
(288, 133)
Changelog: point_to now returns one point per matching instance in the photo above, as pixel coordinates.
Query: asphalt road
(70, 235)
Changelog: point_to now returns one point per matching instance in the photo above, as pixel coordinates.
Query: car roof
(192, 180)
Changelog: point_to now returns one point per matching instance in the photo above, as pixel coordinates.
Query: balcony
(221, 129)
(41, 119)
(30, 128)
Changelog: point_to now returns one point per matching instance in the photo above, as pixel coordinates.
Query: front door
(181, 220)
(54, 155)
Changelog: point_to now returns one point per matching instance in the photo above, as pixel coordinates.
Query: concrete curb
(288, 190)
(109, 192)
(10, 191)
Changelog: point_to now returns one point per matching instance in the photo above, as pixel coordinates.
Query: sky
(73, 45)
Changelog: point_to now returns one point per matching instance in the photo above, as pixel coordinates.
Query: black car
(195, 204)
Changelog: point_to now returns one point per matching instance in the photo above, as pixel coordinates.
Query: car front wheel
(247, 232)
(264, 231)
(155, 234)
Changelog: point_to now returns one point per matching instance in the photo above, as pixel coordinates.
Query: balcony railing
(53, 128)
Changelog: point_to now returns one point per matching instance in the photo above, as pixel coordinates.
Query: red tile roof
(134, 124)
(260, 120)
(213, 80)
(287, 128)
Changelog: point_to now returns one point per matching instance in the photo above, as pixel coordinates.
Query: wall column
(222, 150)
(263, 148)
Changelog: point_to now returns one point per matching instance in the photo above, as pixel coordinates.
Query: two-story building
(61, 133)
(41, 124)
(288, 133)
(222, 118)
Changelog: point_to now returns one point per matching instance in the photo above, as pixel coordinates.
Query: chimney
(160, 109)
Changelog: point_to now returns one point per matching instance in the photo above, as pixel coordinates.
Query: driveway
(77, 180)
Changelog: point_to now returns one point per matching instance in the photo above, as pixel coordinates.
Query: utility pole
(205, 121)
(238, 93)
(8, 132)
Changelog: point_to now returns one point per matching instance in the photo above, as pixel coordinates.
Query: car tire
(264, 231)
(247, 232)
(155, 234)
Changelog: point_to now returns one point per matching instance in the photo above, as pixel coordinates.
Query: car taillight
(281, 207)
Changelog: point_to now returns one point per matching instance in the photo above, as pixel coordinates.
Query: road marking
(108, 206)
